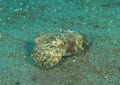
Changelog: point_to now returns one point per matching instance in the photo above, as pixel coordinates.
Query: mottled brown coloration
(51, 47)
(70, 47)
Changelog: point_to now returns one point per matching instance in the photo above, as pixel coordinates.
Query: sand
(22, 21)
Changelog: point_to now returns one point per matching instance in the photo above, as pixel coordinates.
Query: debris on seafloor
(50, 47)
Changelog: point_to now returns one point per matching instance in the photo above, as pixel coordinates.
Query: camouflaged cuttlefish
(50, 47)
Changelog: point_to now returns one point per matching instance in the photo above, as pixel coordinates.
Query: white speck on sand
(74, 60)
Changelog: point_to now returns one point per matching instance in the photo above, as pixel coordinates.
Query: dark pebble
(17, 83)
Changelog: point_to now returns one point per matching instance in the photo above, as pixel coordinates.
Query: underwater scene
(59, 42)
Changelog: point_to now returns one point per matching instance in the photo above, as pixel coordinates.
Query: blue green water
(22, 20)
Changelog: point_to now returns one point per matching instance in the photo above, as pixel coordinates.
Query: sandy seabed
(21, 21)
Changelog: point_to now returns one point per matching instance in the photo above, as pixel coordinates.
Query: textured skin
(51, 47)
